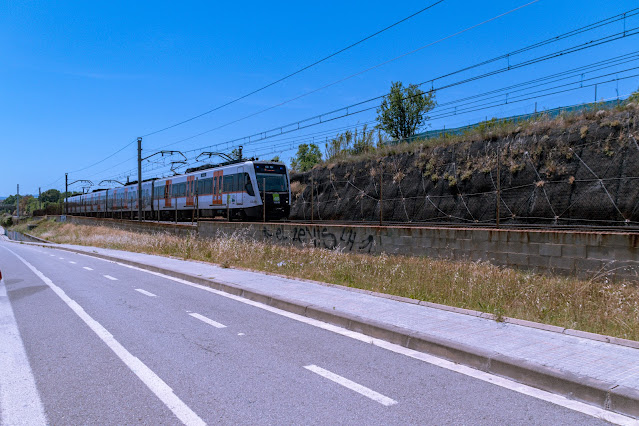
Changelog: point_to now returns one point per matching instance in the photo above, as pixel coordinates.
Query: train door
(239, 185)
(217, 187)
(190, 191)
(167, 193)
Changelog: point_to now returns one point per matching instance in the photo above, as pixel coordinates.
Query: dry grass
(591, 305)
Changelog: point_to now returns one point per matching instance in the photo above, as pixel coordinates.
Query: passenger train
(237, 190)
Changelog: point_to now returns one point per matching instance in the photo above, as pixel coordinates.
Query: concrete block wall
(131, 225)
(585, 254)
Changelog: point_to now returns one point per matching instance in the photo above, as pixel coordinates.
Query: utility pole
(498, 184)
(66, 193)
(40, 198)
(18, 203)
(139, 179)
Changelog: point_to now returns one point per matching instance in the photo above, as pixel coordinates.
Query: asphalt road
(108, 344)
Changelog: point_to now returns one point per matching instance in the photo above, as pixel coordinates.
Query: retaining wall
(585, 254)
(131, 225)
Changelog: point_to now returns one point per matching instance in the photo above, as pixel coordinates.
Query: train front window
(274, 182)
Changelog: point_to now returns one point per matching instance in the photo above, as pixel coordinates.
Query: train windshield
(274, 183)
(274, 175)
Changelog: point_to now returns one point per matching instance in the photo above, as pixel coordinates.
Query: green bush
(6, 221)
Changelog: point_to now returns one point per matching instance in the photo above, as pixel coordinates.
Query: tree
(403, 111)
(50, 196)
(307, 156)
(10, 200)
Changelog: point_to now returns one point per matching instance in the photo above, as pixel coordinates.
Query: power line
(348, 110)
(106, 158)
(573, 49)
(355, 74)
(296, 72)
(274, 82)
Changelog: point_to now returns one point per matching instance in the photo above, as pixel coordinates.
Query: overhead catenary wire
(298, 71)
(434, 117)
(572, 49)
(321, 118)
(530, 62)
(356, 74)
(577, 31)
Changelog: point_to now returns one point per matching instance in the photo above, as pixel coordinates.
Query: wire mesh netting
(572, 171)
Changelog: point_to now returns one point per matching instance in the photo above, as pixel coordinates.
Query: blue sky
(81, 80)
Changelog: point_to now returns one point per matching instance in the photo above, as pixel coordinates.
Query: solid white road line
(147, 293)
(19, 399)
(562, 401)
(87, 268)
(207, 320)
(110, 277)
(362, 390)
(72, 262)
(144, 373)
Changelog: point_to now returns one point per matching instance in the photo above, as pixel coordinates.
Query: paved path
(133, 305)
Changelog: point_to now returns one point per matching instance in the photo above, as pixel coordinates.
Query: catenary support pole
(39, 198)
(18, 203)
(312, 200)
(66, 193)
(264, 199)
(498, 185)
(139, 179)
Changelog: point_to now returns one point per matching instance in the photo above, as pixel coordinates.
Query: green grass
(597, 306)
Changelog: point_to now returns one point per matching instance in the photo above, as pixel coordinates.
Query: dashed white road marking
(362, 390)
(87, 268)
(241, 334)
(72, 262)
(109, 277)
(144, 373)
(147, 293)
(207, 320)
(61, 258)
(562, 401)
(52, 255)
(19, 399)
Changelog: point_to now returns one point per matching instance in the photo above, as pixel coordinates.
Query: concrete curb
(38, 239)
(604, 395)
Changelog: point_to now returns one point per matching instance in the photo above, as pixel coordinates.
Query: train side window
(208, 186)
(249, 185)
(228, 183)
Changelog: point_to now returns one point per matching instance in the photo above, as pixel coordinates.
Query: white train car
(239, 190)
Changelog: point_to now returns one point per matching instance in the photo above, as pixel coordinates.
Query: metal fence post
(312, 204)
(381, 195)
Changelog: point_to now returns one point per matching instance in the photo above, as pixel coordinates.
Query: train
(242, 190)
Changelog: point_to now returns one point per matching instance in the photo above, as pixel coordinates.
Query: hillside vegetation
(576, 168)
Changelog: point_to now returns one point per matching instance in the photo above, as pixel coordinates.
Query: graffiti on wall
(348, 239)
